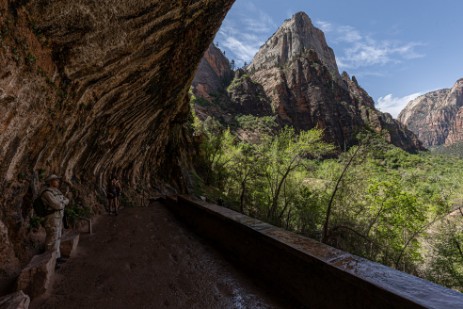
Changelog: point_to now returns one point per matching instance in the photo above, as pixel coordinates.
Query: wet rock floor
(145, 258)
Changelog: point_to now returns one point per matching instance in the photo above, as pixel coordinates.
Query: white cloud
(348, 34)
(324, 26)
(361, 50)
(369, 52)
(242, 36)
(394, 105)
(244, 51)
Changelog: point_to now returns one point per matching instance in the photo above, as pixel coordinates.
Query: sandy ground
(144, 258)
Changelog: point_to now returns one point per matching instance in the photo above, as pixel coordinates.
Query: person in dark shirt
(113, 192)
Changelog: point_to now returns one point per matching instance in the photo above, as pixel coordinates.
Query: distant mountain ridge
(437, 116)
(294, 76)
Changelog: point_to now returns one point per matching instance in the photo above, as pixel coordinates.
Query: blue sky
(396, 49)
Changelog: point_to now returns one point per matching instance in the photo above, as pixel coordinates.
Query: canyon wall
(294, 77)
(437, 116)
(93, 88)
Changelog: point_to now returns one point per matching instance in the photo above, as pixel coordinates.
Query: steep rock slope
(294, 38)
(213, 75)
(299, 73)
(247, 96)
(90, 88)
(224, 91)
(301, 85)
(436, 117)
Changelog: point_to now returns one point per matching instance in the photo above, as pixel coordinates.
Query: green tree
(244, 169)
(285, 154)
(445, 260)
(214, 151)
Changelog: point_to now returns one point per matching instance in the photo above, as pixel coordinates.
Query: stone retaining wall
(314, 274)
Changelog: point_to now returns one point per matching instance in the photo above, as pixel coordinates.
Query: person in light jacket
(56, 202)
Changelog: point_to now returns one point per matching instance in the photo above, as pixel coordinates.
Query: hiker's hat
(51, 177)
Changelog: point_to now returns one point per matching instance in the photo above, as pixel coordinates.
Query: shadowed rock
(69, 244)
(90, 88)
(17, 300)
(36, 278)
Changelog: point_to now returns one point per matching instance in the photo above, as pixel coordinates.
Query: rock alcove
(93, 88)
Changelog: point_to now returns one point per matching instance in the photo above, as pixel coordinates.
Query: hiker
(113, 193)
(56, 202)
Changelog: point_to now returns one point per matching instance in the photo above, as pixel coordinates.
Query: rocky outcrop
(37, 277)
(213, 75)
(299, 74)
(93, 88)
(436, 117)
(383, 123)
(219, 91)
(294, 76)
(293, 40)
(248, 97)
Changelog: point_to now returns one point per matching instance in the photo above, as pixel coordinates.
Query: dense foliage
(374, 200)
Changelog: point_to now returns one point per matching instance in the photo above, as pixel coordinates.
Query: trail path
(144, 258)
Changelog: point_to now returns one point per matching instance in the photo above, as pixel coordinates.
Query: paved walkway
(144, 258)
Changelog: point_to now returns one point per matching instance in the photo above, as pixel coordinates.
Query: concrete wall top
(350, 270)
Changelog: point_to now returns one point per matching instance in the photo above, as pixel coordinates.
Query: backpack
(40, 209)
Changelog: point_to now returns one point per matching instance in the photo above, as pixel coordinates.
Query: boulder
(69, 243)
(17, 300)
(36, 278)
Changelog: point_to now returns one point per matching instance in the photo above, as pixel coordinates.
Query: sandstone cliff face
(224, 91)
(294, 76)
(248, 97)
(436, 117)
(213, 75)
(92, 88)
(299, 74)
(383, 123)
(292, 40)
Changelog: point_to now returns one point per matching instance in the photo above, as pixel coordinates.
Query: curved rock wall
(90, 88)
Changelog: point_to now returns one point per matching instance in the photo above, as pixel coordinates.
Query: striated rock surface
(213, 75)
(393, 131)
(291, 41)
(294, 76)
(90, 88)
(299, 74)
(436, 117)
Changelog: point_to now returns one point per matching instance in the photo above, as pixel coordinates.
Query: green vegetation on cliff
(375, 200)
